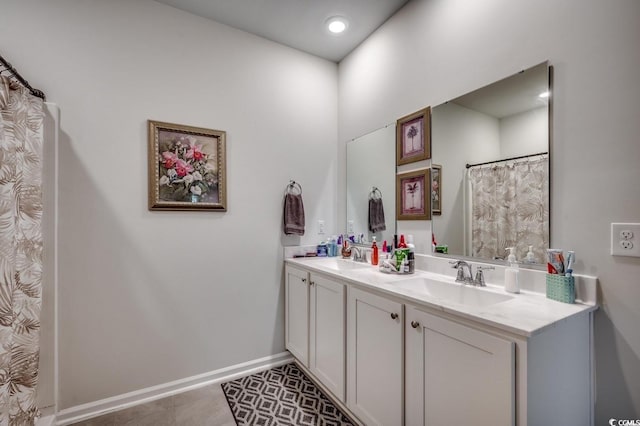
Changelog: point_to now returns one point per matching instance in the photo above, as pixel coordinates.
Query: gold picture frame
(187, 167)
(413, 137)
(413, 195)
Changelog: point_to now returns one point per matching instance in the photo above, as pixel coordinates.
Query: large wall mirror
(493, 146)
(371, 183)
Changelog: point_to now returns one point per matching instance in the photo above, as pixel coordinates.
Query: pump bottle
(511, 283)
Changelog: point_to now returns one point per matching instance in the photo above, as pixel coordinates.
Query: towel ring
(294, 186)
(375, 193)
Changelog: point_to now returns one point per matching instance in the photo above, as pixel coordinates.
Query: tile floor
(205, 406)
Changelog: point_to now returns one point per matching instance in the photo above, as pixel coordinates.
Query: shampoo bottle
(511, 283)
(374, 252)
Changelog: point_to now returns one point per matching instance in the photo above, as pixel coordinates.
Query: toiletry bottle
(412, 254)
(402, 244)
(511, 283)
(321, 250)
(332, 247)
(374, 252)
(531, 258)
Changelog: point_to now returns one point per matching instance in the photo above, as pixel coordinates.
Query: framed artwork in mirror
(436, 189)
(413, 137)
(187, 167)
(412, 196)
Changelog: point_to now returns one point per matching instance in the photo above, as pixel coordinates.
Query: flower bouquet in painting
(186, 167)
(185, 171)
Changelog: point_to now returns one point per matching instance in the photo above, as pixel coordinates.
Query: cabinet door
(297, 313)
(327, 333)
(375, 358)
(457, 374)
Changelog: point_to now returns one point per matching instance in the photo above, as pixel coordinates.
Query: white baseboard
(142, 396)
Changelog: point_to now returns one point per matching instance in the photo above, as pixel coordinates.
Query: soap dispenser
(511, 283)
(374, 252)
(531, 258)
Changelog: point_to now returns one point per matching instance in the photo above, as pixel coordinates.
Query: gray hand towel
(376, 215)
(293, 214)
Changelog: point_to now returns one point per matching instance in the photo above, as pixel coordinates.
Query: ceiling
(298, 23)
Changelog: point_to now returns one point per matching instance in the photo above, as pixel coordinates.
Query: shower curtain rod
(506, 159)
(8, 67)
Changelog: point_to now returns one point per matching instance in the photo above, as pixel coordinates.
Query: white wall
(151, 297)
(433, 50)
(459, 136)
(525, 133)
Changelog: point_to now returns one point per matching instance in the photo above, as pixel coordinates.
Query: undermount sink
(338, 264)
(452, 292)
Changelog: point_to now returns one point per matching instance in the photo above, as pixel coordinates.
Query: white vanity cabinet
(375, 358)
(297, 313)
(457, 374)
(421, 363)
(327, 333)
(459, 371)
(315, 326)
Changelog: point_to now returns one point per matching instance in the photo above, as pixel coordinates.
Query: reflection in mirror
(493, 146)
(371, 185)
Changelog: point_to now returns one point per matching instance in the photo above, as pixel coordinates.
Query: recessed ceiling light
(337, 24)
(544, 95)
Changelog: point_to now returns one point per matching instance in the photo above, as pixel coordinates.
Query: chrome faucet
(460, 265)
(359, 253)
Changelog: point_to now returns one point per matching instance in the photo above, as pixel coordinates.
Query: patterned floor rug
(281, 396)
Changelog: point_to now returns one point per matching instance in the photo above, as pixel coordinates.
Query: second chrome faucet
(461, 277)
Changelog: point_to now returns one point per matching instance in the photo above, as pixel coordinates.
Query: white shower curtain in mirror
(21, 134)
(510, 208)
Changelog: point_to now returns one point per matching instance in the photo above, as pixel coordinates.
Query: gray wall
(151, 297)
(433, 50)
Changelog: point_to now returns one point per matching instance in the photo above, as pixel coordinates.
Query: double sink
(443, 289)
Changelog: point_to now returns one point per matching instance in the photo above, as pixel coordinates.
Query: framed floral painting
(413, 195)
(187, 169)
(413, 137)
(436, 189)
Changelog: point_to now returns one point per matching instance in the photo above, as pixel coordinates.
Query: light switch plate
(625, 239)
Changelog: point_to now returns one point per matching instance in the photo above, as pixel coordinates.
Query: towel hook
(293, 186)
(375, 193)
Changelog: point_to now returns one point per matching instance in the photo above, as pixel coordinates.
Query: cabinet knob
(311, 282)
(304, 280)
(415, 324)
(394, 315)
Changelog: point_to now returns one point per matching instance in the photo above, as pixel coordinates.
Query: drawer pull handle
(311, 282)
(415, 324)
(304, 280)
(394, 315)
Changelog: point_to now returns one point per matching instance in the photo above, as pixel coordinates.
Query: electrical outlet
(350, 227)
(623, 239)
(626, 244)
(321, 227)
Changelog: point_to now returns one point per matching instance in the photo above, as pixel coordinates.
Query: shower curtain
(21, 134)
(510, 208)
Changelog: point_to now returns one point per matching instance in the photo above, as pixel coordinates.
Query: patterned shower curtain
(510, 208)
(21, 134)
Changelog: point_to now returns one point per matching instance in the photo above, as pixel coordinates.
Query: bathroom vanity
(421, 349)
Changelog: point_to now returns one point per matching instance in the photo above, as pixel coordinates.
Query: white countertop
(526, 313)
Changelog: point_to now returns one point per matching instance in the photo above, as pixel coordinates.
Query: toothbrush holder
(561, 288)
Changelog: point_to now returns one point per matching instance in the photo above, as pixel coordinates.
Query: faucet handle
(479, 280)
